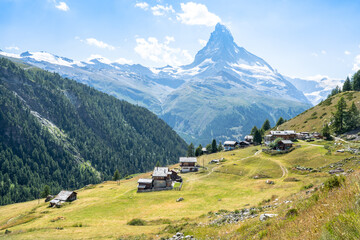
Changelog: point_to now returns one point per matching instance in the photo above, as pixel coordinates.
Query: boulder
(180, 199)
(270, 182)
(265, 216)
(338, 170)
(48, 198)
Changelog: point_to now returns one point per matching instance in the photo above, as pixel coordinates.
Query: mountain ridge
(222, 69)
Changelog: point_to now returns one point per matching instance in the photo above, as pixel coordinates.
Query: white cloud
(153, 50)
(356, 66)
(202, 42)
(62, 6)
(160, 10)
(314, 54)
(12, 48)
(323, 52)
(142, 5)
(347, 52)
(169, 39)
(123, 61)
(98, 43)
(197, 14)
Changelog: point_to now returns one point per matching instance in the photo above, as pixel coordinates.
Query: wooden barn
(144, 184)
(188, 164)
(63, 196)
(284, 144)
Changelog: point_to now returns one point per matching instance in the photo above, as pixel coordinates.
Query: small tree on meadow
(220, 147)
(117, 176)
(326, 132)
(198, 151)
(45, 192)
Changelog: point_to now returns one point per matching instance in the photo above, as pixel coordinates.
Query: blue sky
(299, 38)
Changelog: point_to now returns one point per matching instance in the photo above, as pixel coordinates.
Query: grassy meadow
(102, 211)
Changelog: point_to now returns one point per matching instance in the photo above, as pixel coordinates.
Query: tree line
(91, 135)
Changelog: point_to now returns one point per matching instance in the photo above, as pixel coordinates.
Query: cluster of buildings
(163, 178)
(287, 136)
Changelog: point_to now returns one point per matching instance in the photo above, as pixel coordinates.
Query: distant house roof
(188, 159)
(63, 195)
(230, 143)
(249, 137)
(145, 180)
(244, 143)
(204, 149)
(286, 141)
(287, 132)
(161, 172)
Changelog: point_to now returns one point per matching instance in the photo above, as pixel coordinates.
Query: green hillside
(314, 118)
(60, 133)
(103, 211)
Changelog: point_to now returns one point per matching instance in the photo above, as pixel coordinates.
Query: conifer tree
(339, 116)
(326, 132)
(253, 130)
(280, 121)
(198, 151)
(266, 125)
(257, 137)
(214, 146)
(356, 81)
(352, 120)
(220, 147)
(347, 85)
(46, 191)
(191, 150)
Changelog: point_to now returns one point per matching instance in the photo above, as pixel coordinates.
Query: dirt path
(212, 170)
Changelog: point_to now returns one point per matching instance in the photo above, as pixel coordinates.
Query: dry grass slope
(314, 118)
(103, 211)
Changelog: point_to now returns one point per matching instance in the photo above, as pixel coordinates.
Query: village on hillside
(164, 178)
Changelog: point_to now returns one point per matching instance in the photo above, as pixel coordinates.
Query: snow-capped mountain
(316, 88)
(222, 94)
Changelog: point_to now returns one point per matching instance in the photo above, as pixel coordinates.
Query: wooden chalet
(249, 138)
(286, 135)
(230, 145)
(161, 177)
(284, 144)
(63, 196)
(188, 164)
(145, 184)
(243, 144)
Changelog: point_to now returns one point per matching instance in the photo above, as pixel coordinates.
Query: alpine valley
(222, 94)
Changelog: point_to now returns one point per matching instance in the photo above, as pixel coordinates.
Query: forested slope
(56, 132)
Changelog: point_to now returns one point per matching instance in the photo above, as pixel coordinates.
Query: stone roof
(188, 159)
(286, 141)
(63, 195)
(230, 142)
(145, 180)
(160, 172)
(287, 132)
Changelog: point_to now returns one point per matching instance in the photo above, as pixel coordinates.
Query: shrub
(333, 182)
(291, 213)
(307, 186)
(137, 222)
